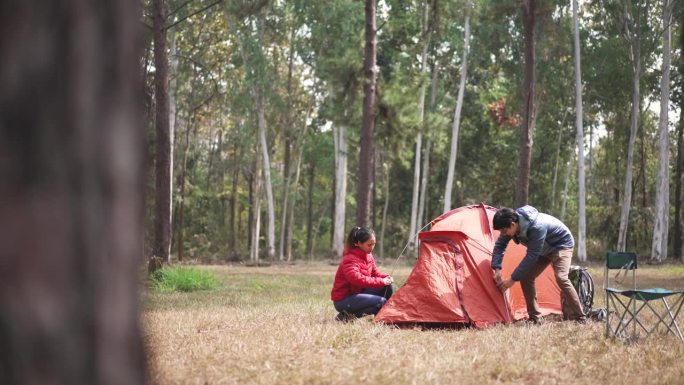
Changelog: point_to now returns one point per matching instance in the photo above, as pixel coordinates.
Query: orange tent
(452, 283)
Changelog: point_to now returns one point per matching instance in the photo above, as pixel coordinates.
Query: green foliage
(307, 59)
(183, 279)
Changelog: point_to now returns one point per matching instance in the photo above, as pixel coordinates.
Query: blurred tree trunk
(456, 124)
(366, 145)
(162, 218)
(71, 197)
(529, 9)
(579, 116)
(662, 205)
(633, 36)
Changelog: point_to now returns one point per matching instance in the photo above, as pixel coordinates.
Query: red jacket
(357, 271)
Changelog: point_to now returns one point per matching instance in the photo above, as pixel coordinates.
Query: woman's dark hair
(503, 218)
(358, 235)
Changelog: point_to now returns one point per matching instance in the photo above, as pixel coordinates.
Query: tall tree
(415, 198)
(633, 34)
(456, 124)
(579, 116)
(253, 60)
(162, 159)
(366, 144)
(662, 205)
(529, 17)
(71, 198)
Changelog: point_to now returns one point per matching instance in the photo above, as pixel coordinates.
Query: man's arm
(499, 248)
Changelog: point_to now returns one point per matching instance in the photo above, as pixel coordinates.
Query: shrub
(184, 279)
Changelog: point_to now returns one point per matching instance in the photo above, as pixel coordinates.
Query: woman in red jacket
(359, 288)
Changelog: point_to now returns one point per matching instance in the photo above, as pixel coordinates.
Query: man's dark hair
(504, 217)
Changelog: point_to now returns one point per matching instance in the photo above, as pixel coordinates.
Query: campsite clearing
(274, 325)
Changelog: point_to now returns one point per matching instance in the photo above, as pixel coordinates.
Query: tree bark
(162, 219)
(579, 115)
(366, 144)
(662, 205)
(71, 197)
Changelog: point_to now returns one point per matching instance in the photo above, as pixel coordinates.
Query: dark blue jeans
(369, 301)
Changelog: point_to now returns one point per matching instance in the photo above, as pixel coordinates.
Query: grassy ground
(274, 325)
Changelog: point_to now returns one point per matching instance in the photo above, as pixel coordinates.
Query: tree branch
(194, 13)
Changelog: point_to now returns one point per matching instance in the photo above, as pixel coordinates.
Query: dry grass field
(274, 325)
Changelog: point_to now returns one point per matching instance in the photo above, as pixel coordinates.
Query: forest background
(255, 114)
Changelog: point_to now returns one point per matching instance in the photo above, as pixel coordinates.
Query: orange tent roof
(452, 279)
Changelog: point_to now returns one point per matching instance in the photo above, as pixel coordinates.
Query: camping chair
(636, 309)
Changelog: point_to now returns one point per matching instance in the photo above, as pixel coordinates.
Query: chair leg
(673, 327)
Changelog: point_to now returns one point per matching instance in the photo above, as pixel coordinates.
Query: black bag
(584, 285)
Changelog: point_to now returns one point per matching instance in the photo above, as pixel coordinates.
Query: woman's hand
(388, 280)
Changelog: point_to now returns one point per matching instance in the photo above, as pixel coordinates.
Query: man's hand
(497, 277)
(505, 284)
(388, 280)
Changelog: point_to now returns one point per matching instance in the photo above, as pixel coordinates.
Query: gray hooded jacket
(541, 233)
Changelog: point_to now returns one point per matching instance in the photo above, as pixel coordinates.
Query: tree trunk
(415, 198)
(258, 97)
(270, 234)
(385, 196)
(529, 8)
(162, 219)
(678, 189)
(556, 168)
(286, 220)
(309, 210)
(455, 127)
(180, 232)
(564, 199)
(71, 197)
(339, 213)
(299, 146)
(172, 123)
(423, 185)
(366, 144)
(232, 228)
(581, 245)
(635, 53)
(256, 211)
(662, 205)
